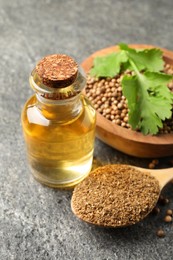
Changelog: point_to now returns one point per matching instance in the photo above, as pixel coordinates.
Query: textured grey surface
(36, 222)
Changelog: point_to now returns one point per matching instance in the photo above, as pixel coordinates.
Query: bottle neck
(62, 103)
(60, 110)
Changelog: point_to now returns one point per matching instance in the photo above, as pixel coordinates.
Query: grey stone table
(36, 222)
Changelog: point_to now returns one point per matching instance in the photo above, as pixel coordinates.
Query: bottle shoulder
(32, 114)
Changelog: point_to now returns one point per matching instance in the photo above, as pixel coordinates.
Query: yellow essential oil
(58, 124)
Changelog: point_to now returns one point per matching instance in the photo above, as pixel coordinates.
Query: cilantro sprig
(149, 99)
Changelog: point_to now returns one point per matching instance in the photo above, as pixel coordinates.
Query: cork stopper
(57, 70)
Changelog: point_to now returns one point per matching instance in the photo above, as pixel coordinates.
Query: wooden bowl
(126, 140)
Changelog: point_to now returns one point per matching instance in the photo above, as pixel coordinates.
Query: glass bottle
(59, 123)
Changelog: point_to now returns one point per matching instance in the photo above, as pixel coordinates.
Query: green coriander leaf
(109, 65)
(131, 90)
(149, 100)
(160, 97)
(147, 59)
(147, 127)
(162, 108)
(126, 66)
(157, 78)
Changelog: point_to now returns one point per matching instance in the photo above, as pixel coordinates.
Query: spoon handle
(162, 175)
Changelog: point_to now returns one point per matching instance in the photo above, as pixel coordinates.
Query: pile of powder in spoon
(115, 195)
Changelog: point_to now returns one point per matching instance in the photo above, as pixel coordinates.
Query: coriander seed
(151, 165)
(156, 210)
(168, 218)
(169, 212)
(160, 233)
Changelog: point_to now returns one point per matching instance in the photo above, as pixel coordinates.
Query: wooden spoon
(118, 195)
